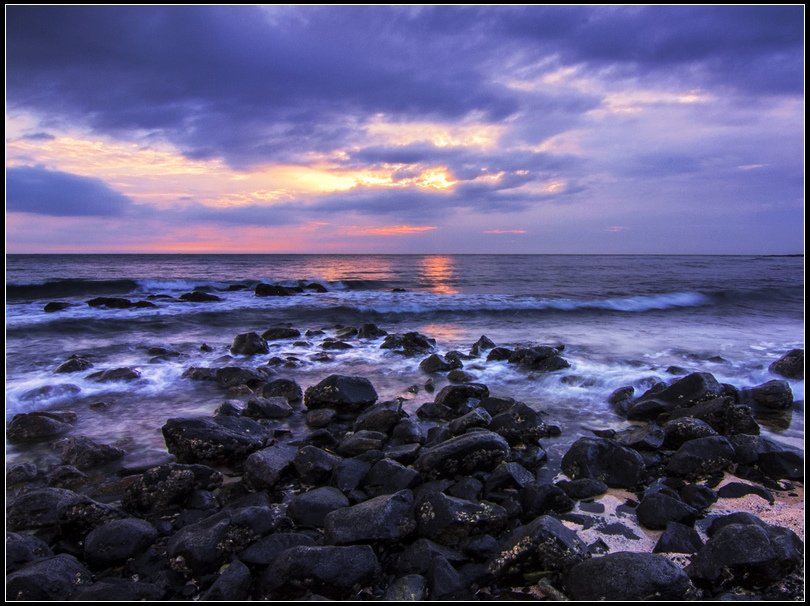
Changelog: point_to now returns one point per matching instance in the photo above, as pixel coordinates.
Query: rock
(272, 290)
(460, 376)
(678, 431)
(331, 571)
(168, 486)
(335, 344)
(537, 499)
(23, 548)
(199, 297)
(74, 364)
(110, 302)
(32, 426)
(691, 389)
(697, 496)
(115, 374)
(436, 363)
(39, 508)
(723, 415)
(701, 457)
(118, 590)
(444, 581)
(343, 393)
(408, 431)
(116, 541)
(382, 417)
(482, 344)
(646, 437)
(248, 344)
(775, 395)
(456, 396)
(584, 488)
(678, 538)
(321, 417)
(477, 451)
(410, 588)
(540, 358)
(349, 473)
(346, 333)
(736, 490)
(409, 344)
(370, 331)
(791, 365)
(778, 461)
(285, 388)
(265, 551)
(53, 306)
(264, 468)
(314, 464)
(656, 510)
(510, 475)
(51, 392)
(751, 555)
(309, 508)
(417, 557)
(268, 408)
(605, 460)
(628, 576)
(84, 453)
(316, 287)
(383, 518)
(232, 584)
(450, 520)
(621, 398)
(18, 473)
(519, 425)
(278, 333)
(54, 578)
(498, 354)
(229, 408)
(361, 441)
(544, 544)
(215, 440)
(387, 477)
(478, 417)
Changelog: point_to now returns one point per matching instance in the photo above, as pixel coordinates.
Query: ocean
(624, 320)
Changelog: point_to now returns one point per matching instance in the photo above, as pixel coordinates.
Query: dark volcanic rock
(330, 571)
(309, 509)
(118, 540)
(410, 588)
(537, 499)
(628, 576)
(24, 471)
(265, 551)
(409, 344)
(25, 427)
(407, 431)
(605, 460)
(84, 453)
(691, 389)
(23, 548)
(118, 590)
(646, 437)
(278, 333)
(775, 395)
(456, 396)
(115, 374)
(383, 518)
(248, 344)
(381, 417)
(444, 581)
(285, 388)
(387, 477)
(482, 344)
(265, 467)
(274, 407)
(110, 302)
(343, 393)
(370, 331)
(678, 431)
(55, 306)
(417, 556)
(449, 520)
(213, 440)
(540, 358)
(361, 441)
(54, 578)
(544, 544)
(39, 508)
(167, 487)
(791, 365)
(736, 490)
(476, 451)
(232, 584)
(438, 363)
(519, 425)
(314, 464)
(499, 353)
(477, 417)
(584, 488)
(701, 457)
(272, 290)
(778, 461)
(74, 363)
(656, 510)
(697, 495)
(234, 376)
(509, 475)
(678, 538)
(199, 297)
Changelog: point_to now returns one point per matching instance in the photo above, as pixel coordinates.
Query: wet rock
(628, 576)
(544, 544)
(752, 555)
(361, 441)
(478, 417)
(335, 344)
(498, 354)
(701, 457)
(115, 374)
(537, 499)
(691, 389)
(444, 581)
(403, 453)
(646, 437)
(382, 417)
(272, 290)
(383, 518)
(519, 425)
(278, 333)
(460, 376)
(229, 408)
(214, 440)
(265, 467)
(118, 590)
(168, 486)
(778, 461)
(314, 464)
(248, 344)
(511, 475)
(622, 398)
(408, 431)
(656, 510)
(23, 548)
(437, 363)
(349, 473)
(321, 417)
(540, 358)
(455, 397)
(678, 538)
(416, 558)
(723, 415)
(481, 345)
(232, 584)
(235, 376)
(309, 508)
(387, 477)
(450, 520)
(412, 587)
(116, 541)
(584, 488)
(74, 363)
(331, 571)
(605, 460)
(342, 393)
(736, 490)
(431, 410)
(697, 496)
(18, 473)
(203, 547)
(285, 388)
(54, 578)
(775, 395)
(477, 451)
(85, 453)
(678, 431)
(53, 306)
(409, 344)
(348, 332)
(370, 331)
(268, 408)
(66, 476)
(199, 297)
(110, 302)
(39, 508)
(791, 365)
(265, 551)
(33, 426)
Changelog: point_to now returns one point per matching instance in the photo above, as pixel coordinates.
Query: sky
(533, 129)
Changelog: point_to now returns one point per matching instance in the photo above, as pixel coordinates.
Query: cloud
(503, 232)
(389, 230)
(32, 189)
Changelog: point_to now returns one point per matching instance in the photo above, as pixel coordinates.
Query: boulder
(774, 395)
(437, 363)
(380, 417)
(498, 354)
(314, 464)
(778, 461)
(74, 363)
(33, 426)
(278, 333)
(678, 431)
(343, 393)
(646, 437)
(691, 389)
(481, 345)
(736, 490)
(22, 548)
(248, 344)
(410, 588)
(214, 440)
(274, 407)
(53, 306)
(199, 297)
(658, 509)
(722, 414)
(511, 475)
(110, 302)
(119, 590)
(167, 487)
(477, 417)
(387, 477)
(309, 509)
(791, 365)
(456, 396)
(605, 460)
(450, 520)
(409, 344)
(235, 376)
(464, 454)
(541, 358)
(285, 388)
(264, 551)
(54, 578)
(383, 518)
(584, 488)
(701, 457)
(39, 508)
(272, 290)
(265, 467)
(537, 499)
(116, 541)
(678, 538)
(358, 442)
(115, 374)
(370, 331)
(232, 584)
(416, 558)
(84, 453)
(628, 576)
(519, 425)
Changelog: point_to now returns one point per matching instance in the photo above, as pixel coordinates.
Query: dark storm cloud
(32, 189)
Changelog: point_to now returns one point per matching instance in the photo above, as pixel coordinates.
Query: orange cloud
(500, 232)
(389, 230)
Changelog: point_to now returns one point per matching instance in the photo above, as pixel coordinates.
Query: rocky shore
(451, 501)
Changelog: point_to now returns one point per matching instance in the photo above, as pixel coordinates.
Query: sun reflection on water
(437, 272)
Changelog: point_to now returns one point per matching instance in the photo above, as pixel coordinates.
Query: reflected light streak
(438, 272)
